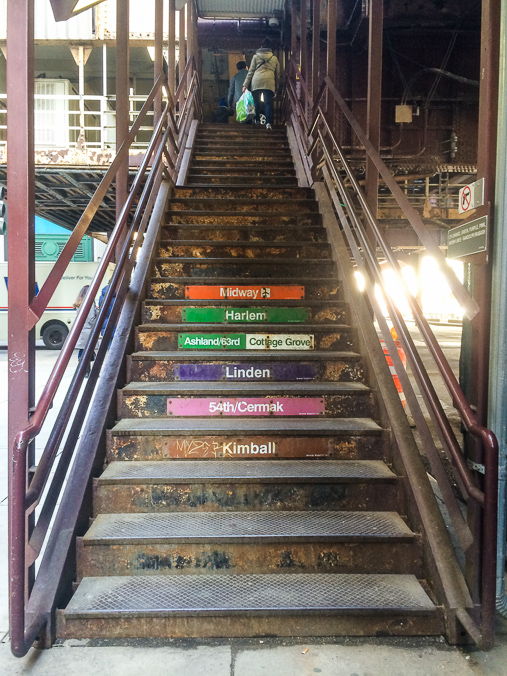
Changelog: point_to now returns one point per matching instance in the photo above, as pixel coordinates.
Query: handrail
(43, 487)
(317, 131)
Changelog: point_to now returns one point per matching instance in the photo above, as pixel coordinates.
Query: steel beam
(21, 257)
(122, 100)
(374, 95)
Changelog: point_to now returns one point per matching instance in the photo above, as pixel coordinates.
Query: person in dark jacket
(236, 85)
(222, 113)
(262, 80)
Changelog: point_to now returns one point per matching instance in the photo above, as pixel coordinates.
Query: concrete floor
(342, 657)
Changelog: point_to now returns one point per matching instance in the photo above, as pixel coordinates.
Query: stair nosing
(90, 590)
(314, 355)
(318, 426)
(149, 472)
(246, 527)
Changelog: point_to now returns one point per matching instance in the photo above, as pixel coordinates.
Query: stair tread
(239, 260)
(239, 243)
(207, 327)
(147, 595)
(177, 471)
(263, 388)
(287, 427)
(253, 355)
(234, 526)
(234, 302)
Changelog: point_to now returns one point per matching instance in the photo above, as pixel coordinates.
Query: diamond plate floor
(108, 596)
(247, 526)
(175, 426)
(183, 471)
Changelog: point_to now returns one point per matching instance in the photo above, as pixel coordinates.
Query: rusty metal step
(227, 249)
(245, 542)
(161, 337)
(247, 527)
(239, 269)
(271, 438)
(269, 173)
(238, 400)
(248, 605)
(278, 312)
(172, 288)
(245, 485)
(275, 163)
(254, 194)
(246, 472)
(259, 154)
(234, 366)
(242, 205)
(222, 218)
(251, 233)
(240, 145)
(245, 181)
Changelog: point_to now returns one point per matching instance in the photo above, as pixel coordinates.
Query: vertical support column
(476, 334)
(304, 44)
(21, 271)
(331, 58)
(103, 104)
(190, 34)
(486, 168)
(374, 100)
(81, 65)
(158, 64)
(182, 50)
(293, 30)
(122, 100)
(315, 48)
(171, 46)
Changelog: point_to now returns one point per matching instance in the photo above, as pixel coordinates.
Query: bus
(53, 327)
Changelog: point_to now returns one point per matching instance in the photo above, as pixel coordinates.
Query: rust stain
(137, 405)
(329, 340)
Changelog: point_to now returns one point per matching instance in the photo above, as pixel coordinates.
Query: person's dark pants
(268, 104)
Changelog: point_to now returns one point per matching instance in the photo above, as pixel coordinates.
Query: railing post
(122, 100)
(21, 256)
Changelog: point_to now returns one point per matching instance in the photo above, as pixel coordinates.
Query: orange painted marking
(244, 292)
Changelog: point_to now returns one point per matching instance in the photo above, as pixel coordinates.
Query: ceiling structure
(239, 9)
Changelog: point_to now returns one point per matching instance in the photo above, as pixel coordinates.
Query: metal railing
(31, 535)
(320, 151)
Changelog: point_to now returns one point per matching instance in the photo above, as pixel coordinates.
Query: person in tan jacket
(262, 79)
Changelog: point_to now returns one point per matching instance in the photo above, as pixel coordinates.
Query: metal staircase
(249, 488)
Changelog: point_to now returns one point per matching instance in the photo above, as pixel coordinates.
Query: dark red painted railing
(32, 597)
(320, 152)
